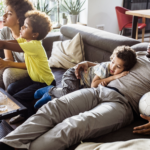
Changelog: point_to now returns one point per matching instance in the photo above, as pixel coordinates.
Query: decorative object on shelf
(65, 19)
(73, 7)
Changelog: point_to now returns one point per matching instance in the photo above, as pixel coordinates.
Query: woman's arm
(8, 63)
(8, 55)
(96, 81)
(9, 60)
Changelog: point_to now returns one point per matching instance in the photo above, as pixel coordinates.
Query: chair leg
(143, 32)
(136, 32)
(122, 31)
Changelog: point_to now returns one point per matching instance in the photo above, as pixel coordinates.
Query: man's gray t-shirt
(6, 34)
(136, 83)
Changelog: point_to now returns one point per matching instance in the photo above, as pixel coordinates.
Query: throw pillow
(66, 54)
(140, 47)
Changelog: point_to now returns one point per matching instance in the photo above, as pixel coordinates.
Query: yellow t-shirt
(36, 61)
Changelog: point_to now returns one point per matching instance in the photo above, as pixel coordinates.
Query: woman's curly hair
(40, 23)
(127, 54)
(20, 7)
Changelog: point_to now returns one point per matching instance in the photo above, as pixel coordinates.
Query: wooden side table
(13, 107)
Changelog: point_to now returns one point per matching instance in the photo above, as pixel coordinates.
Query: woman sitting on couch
(13, 67)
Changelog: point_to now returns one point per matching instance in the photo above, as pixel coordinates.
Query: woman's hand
(3, 63)
(143, 129)
(124, 73)
(78, 67)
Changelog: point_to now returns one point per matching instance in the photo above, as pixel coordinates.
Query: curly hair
(20, 7)
(127, 54)
(40, 23)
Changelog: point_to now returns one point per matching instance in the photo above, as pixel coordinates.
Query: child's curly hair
(127, 54)
(40, 23)
(20, 7)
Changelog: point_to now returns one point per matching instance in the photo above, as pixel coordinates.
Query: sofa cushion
(97, 38)
(58, 73)
(95, 54)
(122, 134)
(48, 41)
(68, 53)
(140, 47)
(128, 145)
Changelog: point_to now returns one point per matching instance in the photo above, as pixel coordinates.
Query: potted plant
(43, 8)
(65, 19)
(73, 7)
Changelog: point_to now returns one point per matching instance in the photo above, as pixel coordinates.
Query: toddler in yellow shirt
(35, 28)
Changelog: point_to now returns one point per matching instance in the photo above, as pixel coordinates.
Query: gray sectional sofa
(98, 46)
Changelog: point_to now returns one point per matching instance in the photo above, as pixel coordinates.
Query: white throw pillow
(66, 54)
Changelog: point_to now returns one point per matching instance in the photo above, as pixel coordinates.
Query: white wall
(101, 12)
(84, 14)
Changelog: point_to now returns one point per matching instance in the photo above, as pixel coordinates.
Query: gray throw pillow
(140, 47)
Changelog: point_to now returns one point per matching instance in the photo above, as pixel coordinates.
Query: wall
(99, 12)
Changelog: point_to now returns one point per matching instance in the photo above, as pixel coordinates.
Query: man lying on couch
(86, 113)
(143, 129)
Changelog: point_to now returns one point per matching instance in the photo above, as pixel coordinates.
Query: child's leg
(40, 92)
(69, 82)
(17, 86)
(25, 97)
(45, 98)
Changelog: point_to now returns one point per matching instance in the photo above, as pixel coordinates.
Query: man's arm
(13, 46)
(143, 129)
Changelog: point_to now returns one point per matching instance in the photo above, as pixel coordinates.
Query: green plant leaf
(73, 7)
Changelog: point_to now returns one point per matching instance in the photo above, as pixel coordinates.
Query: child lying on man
(122, 60)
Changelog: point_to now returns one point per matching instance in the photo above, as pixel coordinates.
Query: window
(51, 5)
(2, 7)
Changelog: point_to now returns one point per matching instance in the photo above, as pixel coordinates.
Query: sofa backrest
(98, 44)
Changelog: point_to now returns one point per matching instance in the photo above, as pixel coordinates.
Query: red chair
(125, 22)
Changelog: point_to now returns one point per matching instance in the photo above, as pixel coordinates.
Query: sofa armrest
(48, 41)
(140, 47)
